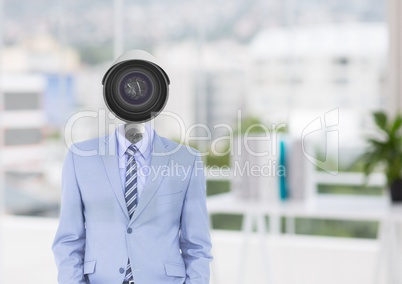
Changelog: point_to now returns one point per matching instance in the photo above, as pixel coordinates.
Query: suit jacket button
(129, 230)
(121, 270)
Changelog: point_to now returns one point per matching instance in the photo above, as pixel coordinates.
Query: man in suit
(133, 209)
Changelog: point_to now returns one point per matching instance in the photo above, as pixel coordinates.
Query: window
(342, 61)
(21, 101)
(27, 136)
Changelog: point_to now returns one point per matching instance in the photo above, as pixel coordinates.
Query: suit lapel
(110, 162)
(159, 159)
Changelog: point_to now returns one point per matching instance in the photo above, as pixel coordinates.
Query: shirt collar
(144, 146)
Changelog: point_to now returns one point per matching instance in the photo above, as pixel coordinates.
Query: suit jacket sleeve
(195, 242)
(69, 243)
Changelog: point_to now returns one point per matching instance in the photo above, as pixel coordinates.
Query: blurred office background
(237, 62)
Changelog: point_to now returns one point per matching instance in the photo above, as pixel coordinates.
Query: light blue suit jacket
(167, 239)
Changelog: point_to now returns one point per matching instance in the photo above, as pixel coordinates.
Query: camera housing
(135, 88)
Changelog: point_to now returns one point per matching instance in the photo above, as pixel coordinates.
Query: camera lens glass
(136, 88)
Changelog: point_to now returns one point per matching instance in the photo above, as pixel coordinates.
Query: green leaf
(380, 119)
(376, 143)
(397, 124)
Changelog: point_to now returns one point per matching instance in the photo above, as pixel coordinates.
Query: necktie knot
(131, 150)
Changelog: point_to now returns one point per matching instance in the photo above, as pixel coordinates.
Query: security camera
(135, 88)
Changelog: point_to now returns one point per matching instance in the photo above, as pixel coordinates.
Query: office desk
(348, 208)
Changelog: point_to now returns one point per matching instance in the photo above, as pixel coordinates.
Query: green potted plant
(386, 151)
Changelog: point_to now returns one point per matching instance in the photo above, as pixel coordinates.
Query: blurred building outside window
(277, 61)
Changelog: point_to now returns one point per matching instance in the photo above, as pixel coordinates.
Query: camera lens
(136, 87)
(136, 90)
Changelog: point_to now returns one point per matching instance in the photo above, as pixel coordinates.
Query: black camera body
(135, 88)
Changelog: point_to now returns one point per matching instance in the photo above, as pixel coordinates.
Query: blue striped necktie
(131, 192)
